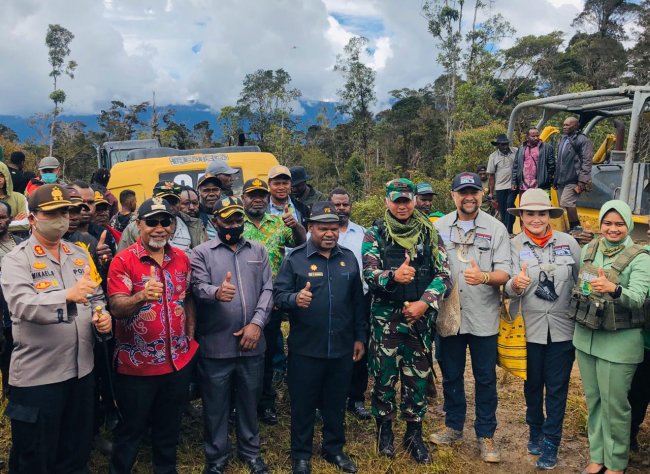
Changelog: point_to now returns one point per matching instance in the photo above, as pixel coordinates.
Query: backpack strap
(626, 257)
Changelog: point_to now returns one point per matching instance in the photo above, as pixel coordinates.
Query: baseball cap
(323, 211)
(209, 176)
(153, 206)
(49, 197)
(423, 188)
(166, 188)
(466, 180)
(47, 163)
(100, 199)
(279, 170)
(255, 184)
(480, 168)
(228, 206)
(220, 167)
(400, 187)
(75, 197)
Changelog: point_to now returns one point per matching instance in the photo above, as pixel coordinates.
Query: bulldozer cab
(616, 172)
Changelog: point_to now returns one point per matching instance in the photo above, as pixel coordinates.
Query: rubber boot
(385, 437)
(414, 444)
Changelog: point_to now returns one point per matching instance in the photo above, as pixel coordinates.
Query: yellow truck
(139, 169)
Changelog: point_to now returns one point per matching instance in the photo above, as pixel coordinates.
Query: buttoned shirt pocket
(564, 268)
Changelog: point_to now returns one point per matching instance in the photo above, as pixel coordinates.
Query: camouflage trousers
(395, 354)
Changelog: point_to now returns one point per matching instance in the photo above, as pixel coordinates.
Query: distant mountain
(186, 114)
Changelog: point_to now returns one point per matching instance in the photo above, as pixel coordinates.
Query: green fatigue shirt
(379, 279)
(624, 346)
(273, 235)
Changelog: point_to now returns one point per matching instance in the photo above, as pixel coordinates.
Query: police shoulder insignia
(38, 250)
(39, 265)
(66, 249)
(41, 285)
(79, 262)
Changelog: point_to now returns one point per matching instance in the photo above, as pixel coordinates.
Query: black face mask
(546, 288)
(230, 235)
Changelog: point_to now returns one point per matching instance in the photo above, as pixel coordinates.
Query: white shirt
(352, 239)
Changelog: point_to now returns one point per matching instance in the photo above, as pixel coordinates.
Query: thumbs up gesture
(303, 298)
(601, 284)
(287, 217)
(102, 250)
(226, 291)
(102, 321)
(153, 289)
(521, 281)
(474, 275)
(82, 289)
(405, 273)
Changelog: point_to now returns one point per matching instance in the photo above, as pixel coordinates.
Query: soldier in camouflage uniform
(406, 268)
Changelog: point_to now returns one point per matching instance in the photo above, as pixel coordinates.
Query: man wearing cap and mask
(46, 283)
(499, 169)
(406, 268)
(479, 256)
(224, 173)
(187, 232)
(281, 200)
(319, 284)
(210, 189)
(231, 279)
(302, 191)
(275, 236)
(149, 290)
(48, 173)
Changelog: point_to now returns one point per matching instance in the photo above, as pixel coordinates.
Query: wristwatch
(617, 292)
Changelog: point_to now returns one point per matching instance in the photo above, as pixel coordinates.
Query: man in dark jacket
(302, 191)
(573, 173)
(534, 165)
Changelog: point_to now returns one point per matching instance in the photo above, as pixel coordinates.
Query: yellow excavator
(616, 172)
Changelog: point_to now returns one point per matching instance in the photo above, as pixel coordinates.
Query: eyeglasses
(165, 222)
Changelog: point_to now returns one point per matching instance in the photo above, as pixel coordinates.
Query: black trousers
(104, 404)
(506, 198)
(272, 332)
(157, 401)
(639, 395)
(220, 378)
(313, 382)
(51, 427)
(359, 380)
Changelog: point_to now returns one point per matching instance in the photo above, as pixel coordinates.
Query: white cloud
(201, 50)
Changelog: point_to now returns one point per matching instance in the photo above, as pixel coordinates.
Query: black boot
(385, 437)
(413, 443)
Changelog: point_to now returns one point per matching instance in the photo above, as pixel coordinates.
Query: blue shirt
(353, 239)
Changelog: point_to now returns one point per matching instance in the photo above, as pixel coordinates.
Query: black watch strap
(617, 292)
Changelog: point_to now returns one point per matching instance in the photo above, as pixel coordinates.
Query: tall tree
(639, 55)
(121, 121)
(607, 17)
(357, 97)
(265, 99)
(58, 41)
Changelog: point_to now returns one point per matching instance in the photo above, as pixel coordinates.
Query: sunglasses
(165, 222)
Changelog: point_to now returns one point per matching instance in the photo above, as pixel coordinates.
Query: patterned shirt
(273, 235)
(152, 341)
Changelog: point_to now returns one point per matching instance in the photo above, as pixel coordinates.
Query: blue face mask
(48, 178)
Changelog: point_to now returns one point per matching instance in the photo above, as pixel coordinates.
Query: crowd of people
(114, 314)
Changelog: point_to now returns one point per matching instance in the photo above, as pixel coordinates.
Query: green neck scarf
(407, 234)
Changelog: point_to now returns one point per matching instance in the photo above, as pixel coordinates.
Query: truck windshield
(118, 156)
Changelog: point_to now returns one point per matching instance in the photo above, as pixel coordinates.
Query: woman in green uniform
(608, 307)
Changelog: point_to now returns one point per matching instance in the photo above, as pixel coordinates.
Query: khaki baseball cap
(279, 170)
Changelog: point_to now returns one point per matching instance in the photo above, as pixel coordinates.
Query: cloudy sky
(200, 50)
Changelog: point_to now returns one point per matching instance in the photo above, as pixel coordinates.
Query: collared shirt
(335, 319)
(500, 166)
(278, 211)
(352, 239)
(560, 258)
(273, 235)
(529, 172)
(53, 339)
(249, 267)
(490, 248)
(153, 341)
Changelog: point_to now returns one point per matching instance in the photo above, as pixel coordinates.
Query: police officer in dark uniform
(319, 285)
(47, 285)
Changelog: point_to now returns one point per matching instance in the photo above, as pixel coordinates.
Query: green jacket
(16, 200)
(624, 346)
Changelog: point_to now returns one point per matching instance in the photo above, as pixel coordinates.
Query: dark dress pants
(51, 427)
(313, 382)
(548, 369)
(483, 352)
(219, 379)
(359, 381)
(640, 393)
(506, 198)
(157, 401)
(272, 336)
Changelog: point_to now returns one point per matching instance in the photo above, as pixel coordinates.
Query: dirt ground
(512, 435)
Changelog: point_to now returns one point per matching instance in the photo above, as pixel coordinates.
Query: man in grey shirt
(479, 257)
(231, 279)
(499, 170)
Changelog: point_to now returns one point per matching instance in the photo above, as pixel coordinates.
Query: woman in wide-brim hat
(545, 268)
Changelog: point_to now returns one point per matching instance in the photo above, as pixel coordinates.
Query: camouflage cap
(49, 197)
(424, 188)
(166, 188)
(400, 187)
